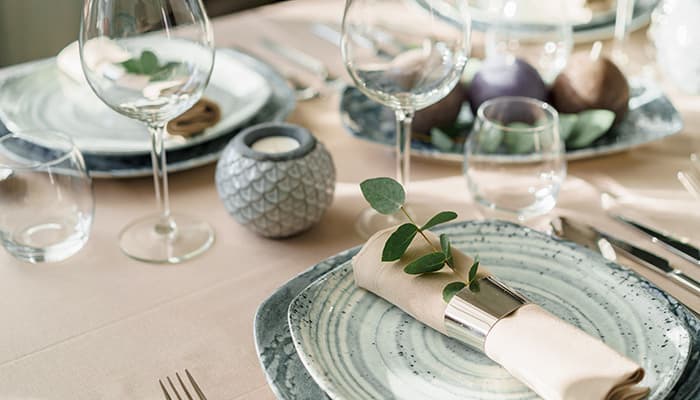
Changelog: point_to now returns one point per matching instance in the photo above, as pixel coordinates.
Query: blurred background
(33, 29)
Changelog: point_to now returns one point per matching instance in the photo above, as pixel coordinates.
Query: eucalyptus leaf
(441, 140)
(567, 122)
(451, 289)
(132, 66)
(428, 263)
(383, 194)
(447, 249)
(398, 242)
(439, 218)
(474, 286)
(489, 139)
(591, 125)
(474, 269)
(519, 142)
(149, 62)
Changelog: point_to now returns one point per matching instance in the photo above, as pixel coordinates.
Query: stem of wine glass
(166, 226)
(623, 18)
(404, 120)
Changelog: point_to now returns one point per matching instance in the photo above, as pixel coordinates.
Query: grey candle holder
(276, 194)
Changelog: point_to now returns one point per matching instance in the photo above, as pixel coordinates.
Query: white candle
(275, 144)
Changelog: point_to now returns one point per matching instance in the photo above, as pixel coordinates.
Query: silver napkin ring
(470, 315)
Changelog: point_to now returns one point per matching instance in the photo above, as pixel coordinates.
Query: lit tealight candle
(275, 144)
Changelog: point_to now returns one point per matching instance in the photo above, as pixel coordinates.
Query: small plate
(278, 106)
(358, 346)
(41, 97)
(651, 117)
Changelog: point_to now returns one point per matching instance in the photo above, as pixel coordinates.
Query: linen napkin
(555, 359)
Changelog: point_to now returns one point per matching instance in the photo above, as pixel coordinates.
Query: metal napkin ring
(470, 315)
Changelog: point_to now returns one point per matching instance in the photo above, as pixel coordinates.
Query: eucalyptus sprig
(388, 197)
(148, 64)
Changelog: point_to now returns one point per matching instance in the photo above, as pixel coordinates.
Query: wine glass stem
(404, 120)
(160, 178)
(623, 19)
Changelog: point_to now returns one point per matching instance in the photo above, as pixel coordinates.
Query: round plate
(41, 97)
(358, 346)
(651, 117)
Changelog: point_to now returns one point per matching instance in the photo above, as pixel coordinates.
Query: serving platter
(651, 117)
(280, 362)
(280, 102)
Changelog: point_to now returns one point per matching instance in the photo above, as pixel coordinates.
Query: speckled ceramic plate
(651, 117)
(358, 346)
(41, 97)
(279, 104)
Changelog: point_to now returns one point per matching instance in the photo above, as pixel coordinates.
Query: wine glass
(538, 32)
(514, 158)
(150, 60)
(406, 55)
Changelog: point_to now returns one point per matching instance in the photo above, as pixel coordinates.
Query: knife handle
(689, 283)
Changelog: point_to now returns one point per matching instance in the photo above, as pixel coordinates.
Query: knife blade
(609, 245)
(674, 245)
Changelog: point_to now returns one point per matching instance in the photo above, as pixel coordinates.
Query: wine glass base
(370, 221)
(143, 241)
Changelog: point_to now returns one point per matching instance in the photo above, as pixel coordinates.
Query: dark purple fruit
(442, 114)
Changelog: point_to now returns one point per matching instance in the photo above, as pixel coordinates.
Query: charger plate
(357, 346)
(41, 97)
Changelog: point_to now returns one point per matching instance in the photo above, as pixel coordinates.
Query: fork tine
(174, 390)
(690, 183)
(195, 386)
(165, 392)
(182, 384)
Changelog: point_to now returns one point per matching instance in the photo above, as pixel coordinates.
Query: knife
(609, 245)
(675, 245)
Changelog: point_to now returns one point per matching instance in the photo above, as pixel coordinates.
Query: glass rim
(26, 135)
(548, 109)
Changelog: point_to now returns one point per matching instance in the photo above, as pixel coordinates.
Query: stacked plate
(320, 336)
(38, 96)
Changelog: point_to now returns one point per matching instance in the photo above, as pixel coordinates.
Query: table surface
(100, 325)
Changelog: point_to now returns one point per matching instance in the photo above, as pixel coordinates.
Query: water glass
(46, 199)
(515, 161)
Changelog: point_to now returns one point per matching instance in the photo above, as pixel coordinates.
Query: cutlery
(303, 60)
(302, 91)
(678, 246)
(197, 390)
(608, 246)
(335, 37)
(690, 182)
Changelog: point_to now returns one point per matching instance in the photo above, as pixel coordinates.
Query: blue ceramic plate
(277, 107)
(651, 117)
(358, 346)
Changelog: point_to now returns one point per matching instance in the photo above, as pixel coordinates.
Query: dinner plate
(41, 97)
(278, 106)
(358, 346)
(600, 26)
(651, 117)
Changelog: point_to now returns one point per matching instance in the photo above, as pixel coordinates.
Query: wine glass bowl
(151, 60)
(407, 57)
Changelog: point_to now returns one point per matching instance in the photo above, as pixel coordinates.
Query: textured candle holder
(276, 194)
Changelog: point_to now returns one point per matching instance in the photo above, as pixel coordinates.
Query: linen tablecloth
(101, 326)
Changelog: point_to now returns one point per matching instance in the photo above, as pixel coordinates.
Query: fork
(690, 179)
(176, 393)
(303, 60)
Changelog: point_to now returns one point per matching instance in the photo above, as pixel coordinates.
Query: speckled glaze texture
(651, 117)
(276, 198)
(357, 346)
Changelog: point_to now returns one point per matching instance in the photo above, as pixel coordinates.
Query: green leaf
(149, 62)
(475, 286)
(384, 194)
(398, 242)
(428, 263)
(132, 66)
(567, 122)
(519, 142)
(591, 125)
(439, 218)
(447, 249)
(441, 140)
(474, 269)
(451, 289)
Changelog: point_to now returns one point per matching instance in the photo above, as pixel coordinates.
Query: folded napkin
(555, 359)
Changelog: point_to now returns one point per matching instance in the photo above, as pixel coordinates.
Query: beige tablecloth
(101, 326)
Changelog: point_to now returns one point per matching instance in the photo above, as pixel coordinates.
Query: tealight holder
(276, 179)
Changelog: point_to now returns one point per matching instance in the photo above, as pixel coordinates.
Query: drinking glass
(151, 60)
(405, 56)
(46, 201)
(515, 161)
(537, 32)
